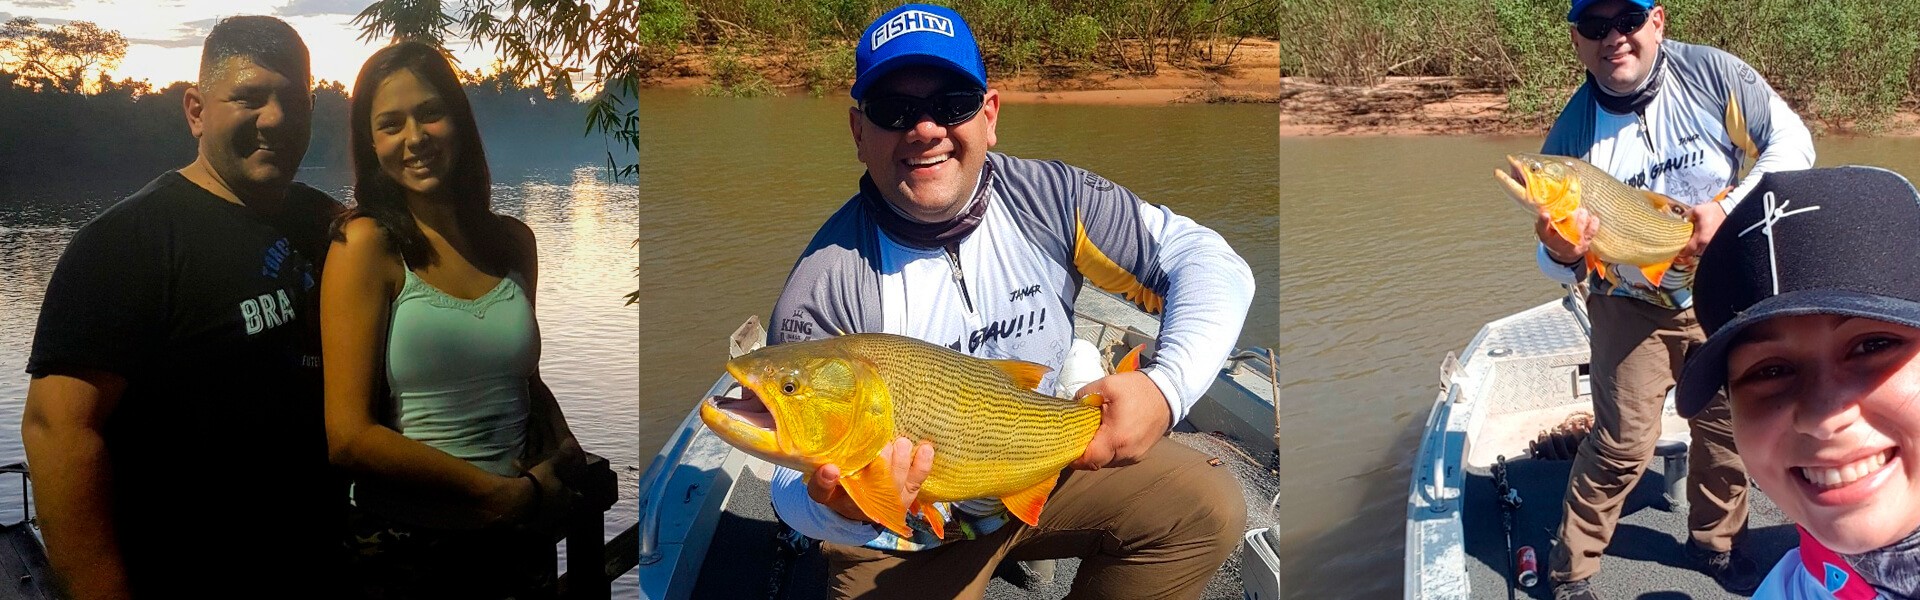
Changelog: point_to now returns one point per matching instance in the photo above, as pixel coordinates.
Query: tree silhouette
(59, 58)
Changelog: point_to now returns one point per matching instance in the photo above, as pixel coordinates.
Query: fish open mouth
(741, 404)
(1514, 180)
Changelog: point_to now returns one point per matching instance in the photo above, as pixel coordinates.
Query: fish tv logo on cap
(909, 22)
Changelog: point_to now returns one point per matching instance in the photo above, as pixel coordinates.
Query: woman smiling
(434, 403)
(1812, 299)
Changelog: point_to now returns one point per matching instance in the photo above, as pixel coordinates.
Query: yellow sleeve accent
(1103, 272)
(1737, 127)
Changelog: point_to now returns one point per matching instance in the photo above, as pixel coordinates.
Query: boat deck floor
(1647, 557)
(740, 563)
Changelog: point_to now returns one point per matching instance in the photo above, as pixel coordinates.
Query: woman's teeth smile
(1827, 478)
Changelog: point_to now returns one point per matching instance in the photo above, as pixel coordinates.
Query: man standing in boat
(985, 253)
(1677, 119)
(173, 421)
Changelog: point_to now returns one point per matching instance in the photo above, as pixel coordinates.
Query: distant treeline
(1847, 62)
(1015, 35)
(131, 126)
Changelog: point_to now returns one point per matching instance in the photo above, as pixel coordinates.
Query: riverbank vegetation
(758, 47)
(1848, 64)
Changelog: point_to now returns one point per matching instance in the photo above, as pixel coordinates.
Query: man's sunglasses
(900, 113)
(1595, 28)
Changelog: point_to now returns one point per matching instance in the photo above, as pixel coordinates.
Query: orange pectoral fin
(1655, 271)
(1026, 504)
(1130, 362)
(1567, 229)
(934, 520)
(1093, 400)
(1595, 266)
(872, 489)
(1025, 374)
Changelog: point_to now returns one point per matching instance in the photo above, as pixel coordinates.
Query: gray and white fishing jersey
(1685, 134)
(1006, 290)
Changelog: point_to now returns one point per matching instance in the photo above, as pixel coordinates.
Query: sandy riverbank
(1253, 76)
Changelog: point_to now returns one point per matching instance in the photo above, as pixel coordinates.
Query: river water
(733, 190)
(1397, 250)
(584, 225)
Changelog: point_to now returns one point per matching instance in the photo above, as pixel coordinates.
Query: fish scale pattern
(991, 437)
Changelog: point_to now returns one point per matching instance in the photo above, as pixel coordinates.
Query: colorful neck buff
(927, 235)
(1635, 101)
(1893, 570)
(1835, 574)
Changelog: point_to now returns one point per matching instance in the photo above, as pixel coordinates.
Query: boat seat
(1673, 454)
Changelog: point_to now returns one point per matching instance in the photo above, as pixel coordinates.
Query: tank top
(458, 370)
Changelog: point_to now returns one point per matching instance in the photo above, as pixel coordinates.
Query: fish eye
(787, 387)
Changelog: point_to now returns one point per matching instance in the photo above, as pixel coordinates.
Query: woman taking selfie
(1810, 292)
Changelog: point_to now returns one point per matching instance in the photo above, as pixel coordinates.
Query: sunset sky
(164, 36)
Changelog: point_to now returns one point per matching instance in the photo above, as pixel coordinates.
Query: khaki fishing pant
(1156, 529)
(1638, 350)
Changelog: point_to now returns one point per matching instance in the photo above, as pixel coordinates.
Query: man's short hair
(267, 41)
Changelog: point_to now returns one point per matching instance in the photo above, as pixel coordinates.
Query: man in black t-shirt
(174, 421)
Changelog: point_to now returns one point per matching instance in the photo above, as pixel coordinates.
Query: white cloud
(160, 65)
(322, 7)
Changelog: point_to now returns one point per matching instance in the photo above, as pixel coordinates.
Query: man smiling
(173, 422)
(984, 253)
(1680, 120)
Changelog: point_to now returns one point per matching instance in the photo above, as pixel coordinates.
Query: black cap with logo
(1839, 241)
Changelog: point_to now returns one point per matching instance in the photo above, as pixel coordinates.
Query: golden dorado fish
(1637, 227)
(843, 400)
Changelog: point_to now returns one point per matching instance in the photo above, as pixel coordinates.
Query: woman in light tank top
(434, 406)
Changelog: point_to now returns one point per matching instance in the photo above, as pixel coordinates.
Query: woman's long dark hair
(379, 197)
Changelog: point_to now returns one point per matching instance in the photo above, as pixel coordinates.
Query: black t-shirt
(210, 310)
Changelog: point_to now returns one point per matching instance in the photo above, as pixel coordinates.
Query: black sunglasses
(1595, 28)
(900, 113)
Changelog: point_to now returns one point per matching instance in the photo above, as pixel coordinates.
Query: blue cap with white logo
(917, 34)
(1580, 6)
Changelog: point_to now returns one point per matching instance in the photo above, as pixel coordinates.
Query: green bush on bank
(1835, 61)
(730, 77)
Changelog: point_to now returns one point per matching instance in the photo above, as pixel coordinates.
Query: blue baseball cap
(917, 34)
(1580, 6)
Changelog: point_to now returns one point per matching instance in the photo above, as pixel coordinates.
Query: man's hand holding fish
(1134, 417)
(1706, 220)
(824, 485)
(1561, 249)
